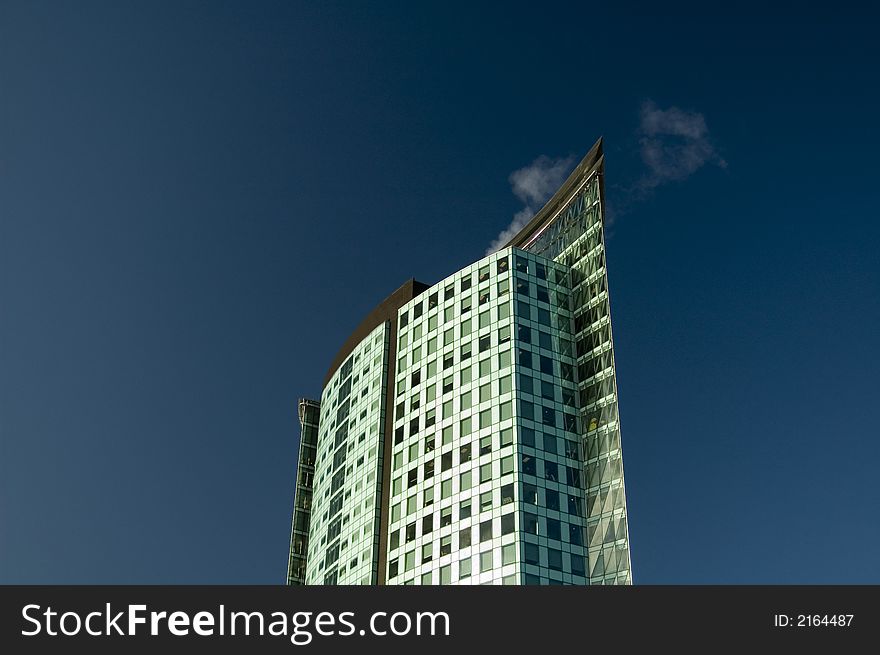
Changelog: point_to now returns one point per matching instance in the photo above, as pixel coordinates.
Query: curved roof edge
(593, 161)
(384, 311)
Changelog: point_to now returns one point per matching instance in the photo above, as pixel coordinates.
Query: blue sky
(199, 202)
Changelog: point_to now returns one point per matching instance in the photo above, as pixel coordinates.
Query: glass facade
(344, 530)
(473, 436)
(309, 411)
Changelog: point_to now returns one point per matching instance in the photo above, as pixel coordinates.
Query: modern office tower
(468, 431)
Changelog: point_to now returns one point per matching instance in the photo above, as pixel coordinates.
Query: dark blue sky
(199, 201)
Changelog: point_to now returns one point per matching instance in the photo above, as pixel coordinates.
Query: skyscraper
(468, 431)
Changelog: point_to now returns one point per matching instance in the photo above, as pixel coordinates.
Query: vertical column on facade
(607, 536)
(309, 411)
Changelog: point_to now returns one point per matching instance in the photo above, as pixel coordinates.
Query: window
(446, 574)
(393, 566)
(485, 366)
(466, 305)
(486, 561)
(550, 443)
(412, 478)
(432, 301)
(465, 427)
(485, 445)
(464, 453)
(484, 296)
(575, 534)
(448, 384)
(546, 365)
(552, 497)
(464, 538)
(528, 465)
(485, 392)
(544, 340)
(503, 287)
(449, 292)
(445, 517)
(426, 577)
(483, 274)
(508, 554)
(525, 358)
(529, 494)
(465, 400)
(464, 510)
(427, 524)
(446, 461)
(531, 554)
(430, 417)
(428, 497)
(466, 351)
(530, 523)
(485, 501)
(505, 384)
(485, 418)
(466, 283)
(464, 481)
(506, 437)
(554, 559)
(464, 568)
(448, 337)
(485, 343)
(508, 523)
(445, 545)
(522, 265)
(522, 286)
(448, 361)
(395, 540)
(553, 529)
(411, 532)
(415, 379)
(551, 471)
(404, 319)
(429, 469)
(485, 473)
(417, 310)
(507, 465)
(507, 494)
(502, 265)
(465, 375)
(527, 436)
(446, 488)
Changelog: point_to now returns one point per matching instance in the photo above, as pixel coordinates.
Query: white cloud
(533, 185)
(674, 145)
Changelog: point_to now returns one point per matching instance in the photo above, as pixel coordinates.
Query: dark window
(544, 340)
(546, 365)
(548, 416)
(528, 465)
(522, 265)
(551, 472)
(525, 358)
(449, 292)
(429, 469)
(530, 523)
(428, 524)
(486, 530)
(554, 559)
(524, 333)
(485, 445)
(529, 494)
(575, 534)
(485, 343)
(404, 319)
(552, 499)
(412, 478)
(466, 283)
(417, 311)
(550, 443)
(464, 510)
(554, 529)
(507, 494)
(464, 538)
(464, 453)
(448, 384)
(415, 378)
(508, 523)
(446, 461)
(531, 556)
(527, 436)
(547, 390)
(432, 301)
(445, 517)
(411, 532)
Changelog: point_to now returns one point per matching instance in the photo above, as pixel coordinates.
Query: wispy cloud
(674, 145)
(533, 185)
